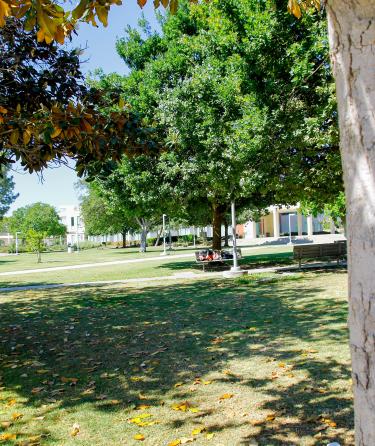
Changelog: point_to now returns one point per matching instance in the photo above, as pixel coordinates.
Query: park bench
(336, 250)
(208, 257)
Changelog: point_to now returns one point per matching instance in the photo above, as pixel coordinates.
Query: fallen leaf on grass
(142, 407)
(270, 417)
(75, 430)
(136, 378)
(139, 437)
(69, 380)
(206, 383)
(226, 396)
(329, 422)
(174, 442)
(5, 437)
(6, 424)
(37, 390)
(11, 402)
(209, 435)
(17, 415)
(142, 397)
(185, 440)
(179, 384)
(197, 431)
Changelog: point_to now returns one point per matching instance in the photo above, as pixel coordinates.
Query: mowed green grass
(244, 362)
(162, 266)
(92, 255)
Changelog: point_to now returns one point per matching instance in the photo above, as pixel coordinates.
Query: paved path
(178, 276)
(95, 265)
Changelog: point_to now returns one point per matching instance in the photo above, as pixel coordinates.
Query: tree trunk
(158, 236)
(351, 26)
(123, 233)
(39, 257)
(217, 219)
(144, 232)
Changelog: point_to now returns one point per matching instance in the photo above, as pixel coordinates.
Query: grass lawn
(163, 266)
(222, 363)
(93, 255)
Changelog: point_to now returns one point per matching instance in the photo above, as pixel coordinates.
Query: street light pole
(290, 229)
(164, 253)
(77, 234)
(235, 266)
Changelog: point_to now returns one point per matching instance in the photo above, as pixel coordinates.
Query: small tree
(36, 222)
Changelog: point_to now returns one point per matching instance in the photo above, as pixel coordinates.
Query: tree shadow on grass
(106, 346)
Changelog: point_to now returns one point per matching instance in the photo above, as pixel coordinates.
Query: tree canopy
(48, 114)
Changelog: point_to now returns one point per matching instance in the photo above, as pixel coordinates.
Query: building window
(71, 221)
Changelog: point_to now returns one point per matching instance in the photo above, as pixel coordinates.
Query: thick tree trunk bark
(351, 26)
(124, 238)
(217, 219)
(158, 236)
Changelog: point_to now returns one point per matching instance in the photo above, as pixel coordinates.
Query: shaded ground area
(220, 362)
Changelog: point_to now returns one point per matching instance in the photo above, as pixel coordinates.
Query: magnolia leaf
(5, 437)
(173, 6)
(294, 8)
(141, 3)
(174, 442)
(139, 437)
(79, 10)
(226, 396)
(75, 430)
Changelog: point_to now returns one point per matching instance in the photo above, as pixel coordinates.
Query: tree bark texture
(351, 25)
(124, 238)
(226, 234)
(217, 219)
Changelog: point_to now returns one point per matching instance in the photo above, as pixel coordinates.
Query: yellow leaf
(194, 409)
(139, 437)
(3, 110)
(17, 415)
(75, 430)
(142, 407)
(26, 136)
(179, 384)
(4, 437)
(18, 109)
(174, 442)
(141, 3)
(206, 383)
(39, 35)
(197, 431)
(79, 10)
(102, 13)
(4, 12)
(294, 8)
(14, 137)
(11, 402)
(270, 417)
(210, 435)
(226, 396)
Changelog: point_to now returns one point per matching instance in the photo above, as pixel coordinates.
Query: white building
(70, 216)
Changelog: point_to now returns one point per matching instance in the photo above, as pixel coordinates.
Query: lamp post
(77, 235)
(290, 229)
(235, 270)
(164, 253)
(17, 242)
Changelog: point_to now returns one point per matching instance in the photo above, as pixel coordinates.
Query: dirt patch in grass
(216, 362)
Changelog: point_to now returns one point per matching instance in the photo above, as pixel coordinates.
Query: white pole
(235, 266)
(164, 253)
(290, 229)
(77, 235)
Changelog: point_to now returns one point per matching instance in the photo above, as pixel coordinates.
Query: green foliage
(7, 195)
(36, 222)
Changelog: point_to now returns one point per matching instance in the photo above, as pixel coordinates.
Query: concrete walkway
(114, 262)
(178, 276)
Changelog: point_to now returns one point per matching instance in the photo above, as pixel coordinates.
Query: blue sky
(57, 187)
